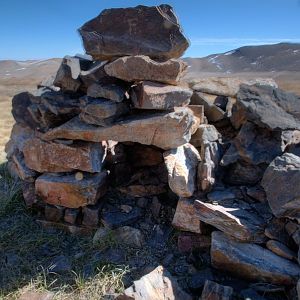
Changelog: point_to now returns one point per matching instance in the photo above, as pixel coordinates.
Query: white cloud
(240, 41)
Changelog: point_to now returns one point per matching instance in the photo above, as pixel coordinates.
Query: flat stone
(160, 38)
(158, 285)
(275, 230)
(268, 107)
(281, 184)
(217, 196)
(215, 291)
(139, 190)
(281, 250)
(153, 95)
(143, 68)
(65, 190)
(257, 193)
(21, 168)
(44, 156)
(185, 217)
(251, 261)
(182, 164)
(164, 130)
(54, 213)
(205, 132)
(227, 86)
(112, 92)
(233, 219)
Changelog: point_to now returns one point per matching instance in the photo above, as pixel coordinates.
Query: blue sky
(38, 29)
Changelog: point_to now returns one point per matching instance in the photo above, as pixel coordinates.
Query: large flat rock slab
(281, 184)
(233, 219)
(47, 157)
(143, 68)
(164, 130)
(153, 95)
(68, 191)
(251, 261)
(153, 31)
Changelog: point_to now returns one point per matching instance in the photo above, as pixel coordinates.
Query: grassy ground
(27, 250)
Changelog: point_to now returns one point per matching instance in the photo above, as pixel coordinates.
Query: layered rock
(133, 34)
(143, 68)
(164, 130)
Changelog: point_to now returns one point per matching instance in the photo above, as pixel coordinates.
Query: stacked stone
(99, 114)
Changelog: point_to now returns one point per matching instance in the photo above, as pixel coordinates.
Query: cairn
(219, 159)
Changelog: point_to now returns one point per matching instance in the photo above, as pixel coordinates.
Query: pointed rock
(164, 130)
(65, 190)
(251, 261)
(143, 68)
(182, 164)
(150, 95)
(153, 31)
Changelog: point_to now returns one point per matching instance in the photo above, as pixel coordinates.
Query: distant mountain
(265, 58)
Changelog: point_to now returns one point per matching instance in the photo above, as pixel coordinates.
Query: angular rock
(143, 68)
(197, 280)
(112, 92)
(217, 196)
(268, 107)
(205, 132)
(153, 95)
(257, 193)
(281, 250)
(133, 34)
(71, 215)
(185, 217)
(65, 190)
(215, 291)
(227, 86)
(182, 164)
(281, 184)
(28, 191)
(54, 213)
(163, 130)
(158, 285)
(101, 112)
(129, 236)
(60, 264)
(251, 261)
(91, 215)
(233, 219)
(275, 230)
(55, 157)
(22, 169)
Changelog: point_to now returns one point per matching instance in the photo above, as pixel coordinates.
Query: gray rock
(112, 92)
(129, 236)
(213, 291)
(153, 31)
(217, 196)
(251, 261)
(281, 184)
(151, 95)
(182, 164)
(60, 264)
(164, 130)
(281, 250)
(140, 68)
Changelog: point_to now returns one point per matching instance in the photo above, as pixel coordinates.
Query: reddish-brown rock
(65, 190)
(55, 157)
(141, 67)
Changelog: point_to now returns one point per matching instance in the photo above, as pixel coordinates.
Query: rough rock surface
(55, 157)
(182, 164)
(152, 95)
(159, 285)
(164, 130)
(233, 219)
(152, 31)
(281, 250)
(112, 92)
(66, 190)
(226, 86)
(140, 68)
(185, 217)
(251, 261)
(281, 184)
(215, 291)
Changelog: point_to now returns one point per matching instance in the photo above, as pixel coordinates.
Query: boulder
(215, 291)
(44, 156)
(158, 285)
(67, 191)
(281, 184)
(251, 261)
(151, 95)
(234, 218)
(227, 86)
(164, 130)
(267, 107)
(152, 31)
(185, 217)
(143, 68)
(182, 164)
(112, 91)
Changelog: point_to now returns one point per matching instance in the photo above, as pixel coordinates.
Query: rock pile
(117, 133)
